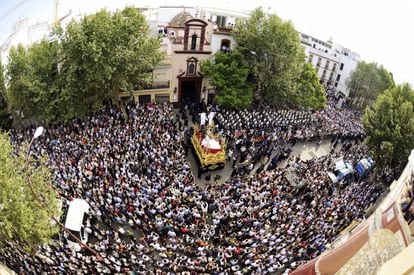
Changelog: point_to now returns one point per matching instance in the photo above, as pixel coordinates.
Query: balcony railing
(227, 29)
(156, 85)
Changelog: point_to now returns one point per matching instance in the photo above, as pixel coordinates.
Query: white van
(76, 219)
(343, 170)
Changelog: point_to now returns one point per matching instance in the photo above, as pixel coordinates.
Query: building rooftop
(179, 19)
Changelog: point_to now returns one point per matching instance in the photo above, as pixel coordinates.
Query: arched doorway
(189, 89)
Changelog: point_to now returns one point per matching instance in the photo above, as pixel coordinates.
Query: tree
(272, 49)
(33, 90)
(27, 201)
(19, 94)
(88, 63)
(310, 93)
(228, 73)
(389, 126)
(5, 119)
(102, 54)
(367, 81)
(46, 86)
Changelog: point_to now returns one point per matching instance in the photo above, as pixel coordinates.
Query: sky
(378, 30)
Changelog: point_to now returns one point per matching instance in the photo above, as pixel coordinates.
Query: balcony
(155, 85)
(223, 30)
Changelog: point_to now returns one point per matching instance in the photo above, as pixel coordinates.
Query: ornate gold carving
(206, 158)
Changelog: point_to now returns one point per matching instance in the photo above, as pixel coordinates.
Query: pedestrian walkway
(4, 270)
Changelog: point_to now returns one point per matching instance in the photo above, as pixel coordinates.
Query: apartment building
(333, 62)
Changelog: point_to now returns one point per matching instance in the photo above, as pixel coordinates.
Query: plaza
(150, 211)
(171, 171)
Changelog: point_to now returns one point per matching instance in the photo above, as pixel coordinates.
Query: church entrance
(189, 90)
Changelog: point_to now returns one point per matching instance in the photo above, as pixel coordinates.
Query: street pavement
(4, 270)
(305, 151)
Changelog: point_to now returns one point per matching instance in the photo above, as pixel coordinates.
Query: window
(225, 45)
(310, 58)
(336, 84)
(162, 98)
(193, 41)
(327, 64)
(338, 77)
(331, 76)
(323, 75)
(319, 62)
(221, 21)
(341, 67)
(334, 67)
(237, 21)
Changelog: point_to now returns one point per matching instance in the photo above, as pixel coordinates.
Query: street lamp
(39, 131)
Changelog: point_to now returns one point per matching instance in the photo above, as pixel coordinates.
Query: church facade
(187, 40)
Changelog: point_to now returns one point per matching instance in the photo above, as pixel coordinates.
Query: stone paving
(304, 150)
(4, 270)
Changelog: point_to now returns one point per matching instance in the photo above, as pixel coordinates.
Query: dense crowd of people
(149, 214)
(297, 124)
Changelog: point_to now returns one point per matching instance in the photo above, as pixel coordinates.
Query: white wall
(216, 42)
(24, 32)
(336, 54)
(350, 60)
(209, 13)
(325, 57)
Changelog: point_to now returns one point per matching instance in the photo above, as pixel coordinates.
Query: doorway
(144, 99)
(189, 93)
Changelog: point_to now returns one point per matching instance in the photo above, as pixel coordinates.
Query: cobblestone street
(305, 151)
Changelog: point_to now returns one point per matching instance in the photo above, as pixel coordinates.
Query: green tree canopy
(4, 112)
(228, 73)
(310, 93)
(105, 53)
(88, 63)
(389, 125)
(272, 49)
(19, 94)
(367, 81)
(22, 217)
(34, 86)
